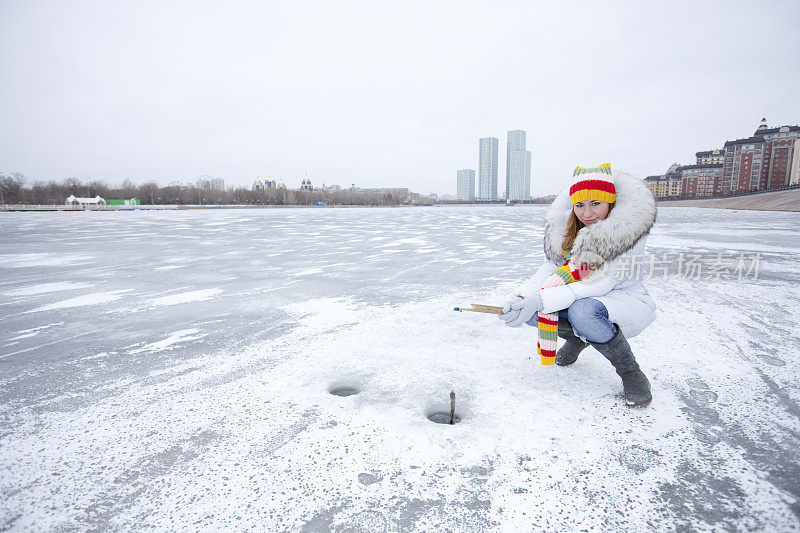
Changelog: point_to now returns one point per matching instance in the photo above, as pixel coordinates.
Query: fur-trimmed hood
(633, 215)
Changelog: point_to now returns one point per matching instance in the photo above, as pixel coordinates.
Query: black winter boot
(568, 353)
(634, 382)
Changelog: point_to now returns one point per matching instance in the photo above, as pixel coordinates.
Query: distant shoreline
(173, 207)
(788, 201)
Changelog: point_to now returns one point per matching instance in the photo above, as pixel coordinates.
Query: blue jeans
(589, 319)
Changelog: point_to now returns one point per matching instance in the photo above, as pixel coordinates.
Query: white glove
(527, 307)
(509, 315)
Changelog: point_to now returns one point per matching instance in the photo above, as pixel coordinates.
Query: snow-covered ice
(172, 370)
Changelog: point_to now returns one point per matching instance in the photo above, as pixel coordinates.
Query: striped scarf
(548, 323)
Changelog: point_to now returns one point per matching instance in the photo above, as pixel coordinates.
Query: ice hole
(441, 417)
(344, 390)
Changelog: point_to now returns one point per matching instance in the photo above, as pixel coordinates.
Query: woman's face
(590, 211)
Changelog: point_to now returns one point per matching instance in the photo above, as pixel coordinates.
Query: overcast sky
(383, 94)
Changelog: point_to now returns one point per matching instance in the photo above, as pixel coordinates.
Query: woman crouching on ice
(589, 289)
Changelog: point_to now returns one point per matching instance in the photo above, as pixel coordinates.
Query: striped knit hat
(595, 183)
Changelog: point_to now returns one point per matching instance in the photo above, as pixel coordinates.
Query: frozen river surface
(171, 370)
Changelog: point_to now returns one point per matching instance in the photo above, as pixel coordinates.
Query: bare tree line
(15, 190)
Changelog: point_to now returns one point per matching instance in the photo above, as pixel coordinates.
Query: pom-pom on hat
(595, 183)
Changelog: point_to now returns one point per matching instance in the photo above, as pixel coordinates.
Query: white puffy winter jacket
(618, 285)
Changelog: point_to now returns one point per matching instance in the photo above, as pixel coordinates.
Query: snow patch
(183, 335)
(307, 272)
(41, 259)
(101, 355)
(43, 288)
(98, 298)
(186, 297)
(26, 333)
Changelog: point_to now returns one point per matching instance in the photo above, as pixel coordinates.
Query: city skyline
(518, 171)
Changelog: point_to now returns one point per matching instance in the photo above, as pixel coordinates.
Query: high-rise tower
(487, 169)
(518, 167)
(465, 187)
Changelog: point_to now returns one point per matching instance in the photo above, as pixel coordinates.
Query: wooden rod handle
(489, 308)
(481, 309)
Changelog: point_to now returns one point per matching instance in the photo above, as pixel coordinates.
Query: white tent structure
(73, 200)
